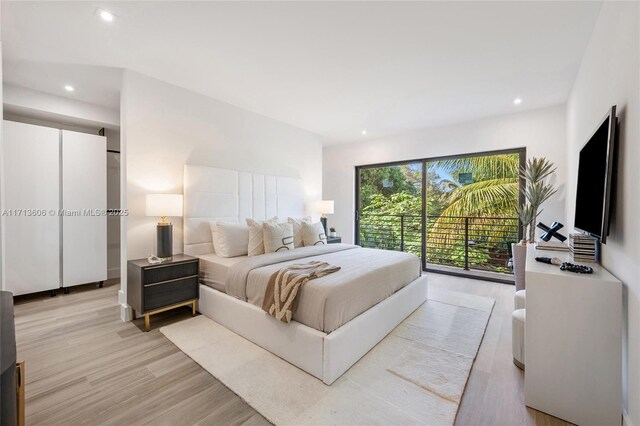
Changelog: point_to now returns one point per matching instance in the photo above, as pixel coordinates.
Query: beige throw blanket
(281, 296)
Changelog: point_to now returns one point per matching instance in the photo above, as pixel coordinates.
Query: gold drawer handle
(170, 281)
(148, 268)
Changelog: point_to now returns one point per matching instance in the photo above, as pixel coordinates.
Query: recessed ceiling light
(517, 101)
(105, 15)
(69, 88)
(364, 132)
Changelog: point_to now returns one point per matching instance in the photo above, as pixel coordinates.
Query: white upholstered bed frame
(218, 194)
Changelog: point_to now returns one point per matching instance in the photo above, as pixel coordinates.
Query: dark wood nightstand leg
(133, 314)
(147, 323)
(193, 308)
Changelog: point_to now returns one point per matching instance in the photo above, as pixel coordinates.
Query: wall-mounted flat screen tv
(595, 178)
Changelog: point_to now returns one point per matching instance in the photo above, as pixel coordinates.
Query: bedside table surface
(176, 259)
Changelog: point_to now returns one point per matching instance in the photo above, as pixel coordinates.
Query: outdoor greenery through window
(470, 209)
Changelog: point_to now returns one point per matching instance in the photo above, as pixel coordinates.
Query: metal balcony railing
(479, 243)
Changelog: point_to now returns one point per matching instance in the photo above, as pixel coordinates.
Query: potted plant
(537, 190)
(332, 232)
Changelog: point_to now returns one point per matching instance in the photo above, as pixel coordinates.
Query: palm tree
(494, 192)
(492, 197)
(486, 166)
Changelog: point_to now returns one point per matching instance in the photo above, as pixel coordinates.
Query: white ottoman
(517, 339)
(519, 299)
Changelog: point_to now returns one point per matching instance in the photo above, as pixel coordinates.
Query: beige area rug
(415, 375)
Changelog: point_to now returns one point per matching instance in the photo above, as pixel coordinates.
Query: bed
(214, 269)
(340, 316)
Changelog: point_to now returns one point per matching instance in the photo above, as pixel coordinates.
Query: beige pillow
(313, 234)
(230, 239)
(297, 229)
(255, 246)
(277, 237)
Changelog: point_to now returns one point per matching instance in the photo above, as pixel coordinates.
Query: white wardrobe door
(31, 181)
(84, 190)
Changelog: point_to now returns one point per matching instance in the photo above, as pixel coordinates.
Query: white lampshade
(325, 206)
(164, 205)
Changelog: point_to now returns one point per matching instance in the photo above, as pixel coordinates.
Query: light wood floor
(495, 391)
(85, 366)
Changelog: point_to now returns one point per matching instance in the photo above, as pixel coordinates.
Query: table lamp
(325, 207)
(164, 205)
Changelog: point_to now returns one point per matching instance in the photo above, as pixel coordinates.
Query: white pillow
(255, 245)
(297, 228)
(214, 233)
(313, 234)
(230, 239)
(277, 237)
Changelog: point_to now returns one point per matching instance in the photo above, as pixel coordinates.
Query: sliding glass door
(457, 213)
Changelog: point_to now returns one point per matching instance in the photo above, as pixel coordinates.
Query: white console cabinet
(573, 342)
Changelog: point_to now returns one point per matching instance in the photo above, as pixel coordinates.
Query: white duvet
(366, 277)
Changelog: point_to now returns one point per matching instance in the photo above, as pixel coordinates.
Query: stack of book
(552, 245)
(583, 248)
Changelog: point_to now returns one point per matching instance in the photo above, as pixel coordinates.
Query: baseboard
(126, 313)
(626, 421)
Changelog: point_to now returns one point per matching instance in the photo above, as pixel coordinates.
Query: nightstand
(157, 287)
(334, 240)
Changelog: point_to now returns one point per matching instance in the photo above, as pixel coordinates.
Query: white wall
(165, 127)
(542, 132)
(609, 75)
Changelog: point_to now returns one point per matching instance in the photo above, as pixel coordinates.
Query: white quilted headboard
(212, 194)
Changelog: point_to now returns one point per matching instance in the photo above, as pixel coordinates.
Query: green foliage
(483, 167)
(395, 204)
(391, 207)
(454, 255)
(497, 197)
(437, 192)
(494, 193)
(385, 219)
(387, 181)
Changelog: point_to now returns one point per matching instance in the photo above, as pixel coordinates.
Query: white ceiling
(334, 68)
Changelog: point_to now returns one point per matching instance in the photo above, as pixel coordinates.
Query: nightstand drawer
(161, 294)
(160, 273)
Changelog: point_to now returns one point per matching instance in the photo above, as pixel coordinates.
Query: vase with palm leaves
(537, 190)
